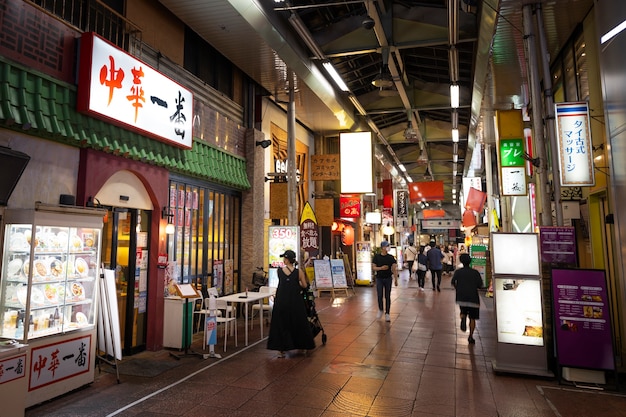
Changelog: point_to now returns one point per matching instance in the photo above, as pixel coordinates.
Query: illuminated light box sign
(122, 90)
(356, 162)
(515, 253)
(574, 144)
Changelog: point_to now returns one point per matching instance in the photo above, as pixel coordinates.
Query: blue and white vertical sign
(575, 144)
(210, 331)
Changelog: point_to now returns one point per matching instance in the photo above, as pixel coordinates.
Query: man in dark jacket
(467, 281)
(435, 256)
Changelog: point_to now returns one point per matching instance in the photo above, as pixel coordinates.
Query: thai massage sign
(574, 141)
(115, 86)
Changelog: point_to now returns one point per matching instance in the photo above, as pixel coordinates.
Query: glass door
(125, 249)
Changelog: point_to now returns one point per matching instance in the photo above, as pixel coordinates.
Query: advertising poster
(228, 276)
(363, 263)
(583, 323)
(218, 275)
(282, 238)
(518, 310)
(558, 244)
(323, 274)
(339, 273)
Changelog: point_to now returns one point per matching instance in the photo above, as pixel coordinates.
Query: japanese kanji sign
(350, 205)
(575, 146)
(325, 167)
(12, 368)
(117, 87)
(53, 363)
(512, 152)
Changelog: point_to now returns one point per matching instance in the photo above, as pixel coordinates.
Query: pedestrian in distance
(386, 268)
(290, 328)
(467, 281)
(435, 264)
(422, 266)
(410, 253)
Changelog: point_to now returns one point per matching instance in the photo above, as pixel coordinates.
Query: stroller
(314, 320)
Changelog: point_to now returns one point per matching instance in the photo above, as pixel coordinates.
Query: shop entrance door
(125, 250)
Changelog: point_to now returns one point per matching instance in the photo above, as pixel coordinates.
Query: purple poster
(558, 244)
(582, 319)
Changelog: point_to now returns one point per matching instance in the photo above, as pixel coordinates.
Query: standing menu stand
(339, 276)
(186, 291)
(323, 277)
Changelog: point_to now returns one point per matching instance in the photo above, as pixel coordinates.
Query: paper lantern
(469, 219)
(347, 236)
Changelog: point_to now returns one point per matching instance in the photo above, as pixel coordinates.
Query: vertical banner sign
(309, 232)
(282, 238)
(512, 166)
(210, 331)
(574, 143)
(582, 319)
(402, 204)
(218, 275)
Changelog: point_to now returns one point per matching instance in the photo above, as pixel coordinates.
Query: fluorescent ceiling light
(613, 32)
(409, 179)
(454, 96)
(330, 69)
(455, 135)
(357, 105)
(455, 158)
(402, 168)
(305, 35)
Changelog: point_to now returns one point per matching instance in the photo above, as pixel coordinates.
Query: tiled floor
(420, 364)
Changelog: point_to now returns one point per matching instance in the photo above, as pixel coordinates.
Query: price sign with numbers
(282, 238)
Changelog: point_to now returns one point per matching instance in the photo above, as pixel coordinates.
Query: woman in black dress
(290, 328)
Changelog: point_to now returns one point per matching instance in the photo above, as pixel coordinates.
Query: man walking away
(410, 253)
(467, 281)
(435, 256)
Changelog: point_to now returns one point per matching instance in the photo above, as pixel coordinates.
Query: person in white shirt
(410, 254)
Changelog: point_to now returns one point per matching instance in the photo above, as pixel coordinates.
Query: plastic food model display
(48, 280)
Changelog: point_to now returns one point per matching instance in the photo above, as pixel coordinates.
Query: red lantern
(347, 236)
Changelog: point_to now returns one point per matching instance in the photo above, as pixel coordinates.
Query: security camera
(368, 23)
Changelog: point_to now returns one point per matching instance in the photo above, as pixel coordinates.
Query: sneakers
(421, 288)
(387, 317)
(380, 314)
(463, 324)
(471, 340)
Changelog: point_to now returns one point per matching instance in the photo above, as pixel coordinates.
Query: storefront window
(206, 239)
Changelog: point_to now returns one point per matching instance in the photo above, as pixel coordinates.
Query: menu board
(583, 321)
(558, 244)
(323, 274)
(518, 310)
(339, 273)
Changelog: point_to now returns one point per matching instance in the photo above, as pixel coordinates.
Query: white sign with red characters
(117, 87)
(12, 368)
(56, 362)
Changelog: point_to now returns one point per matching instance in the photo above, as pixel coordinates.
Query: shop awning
(41, 106)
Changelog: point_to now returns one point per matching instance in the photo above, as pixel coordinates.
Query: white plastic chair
(268, 304)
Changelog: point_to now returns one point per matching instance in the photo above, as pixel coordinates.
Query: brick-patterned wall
(252, 224)
(36, 40)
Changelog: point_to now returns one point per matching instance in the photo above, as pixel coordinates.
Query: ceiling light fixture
(402, 167)
(330, 69)
(455, 158)
(357, 105)
(455, 135)
(382, 80)
(454, 96)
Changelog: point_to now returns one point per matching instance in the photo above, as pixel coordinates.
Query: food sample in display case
(49, 273)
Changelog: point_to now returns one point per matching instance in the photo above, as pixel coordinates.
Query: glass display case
(49, 268)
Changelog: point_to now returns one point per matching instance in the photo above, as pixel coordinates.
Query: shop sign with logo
(350, 205)
(120, 89)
